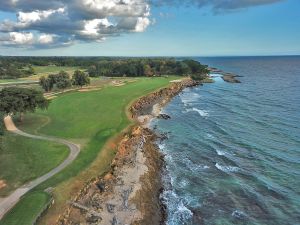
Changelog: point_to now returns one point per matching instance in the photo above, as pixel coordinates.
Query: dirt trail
(10, 201)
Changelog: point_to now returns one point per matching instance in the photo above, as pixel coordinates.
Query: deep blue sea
(233, 150)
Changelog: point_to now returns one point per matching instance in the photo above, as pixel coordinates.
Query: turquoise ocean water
(233, 150)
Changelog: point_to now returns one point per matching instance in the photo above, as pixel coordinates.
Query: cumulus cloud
(20, 38)
(53, 23)
(61, 22)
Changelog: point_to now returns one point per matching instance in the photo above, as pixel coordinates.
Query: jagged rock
(164, 116)
(101, 186)
(90, 218)
(114, 221)
(163, 136)
(110, 208)
(230, 79)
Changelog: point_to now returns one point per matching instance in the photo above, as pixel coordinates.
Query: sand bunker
(176, 81)
(89, 89)
(51, 97)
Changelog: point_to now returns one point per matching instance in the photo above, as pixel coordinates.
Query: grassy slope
(23, 159)
(92, 118)
(33, 202)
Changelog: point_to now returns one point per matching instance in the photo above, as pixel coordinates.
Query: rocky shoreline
(227, 77)
(130, 192)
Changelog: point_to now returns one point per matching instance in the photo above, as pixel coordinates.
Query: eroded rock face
(129, 192)
(143, 106)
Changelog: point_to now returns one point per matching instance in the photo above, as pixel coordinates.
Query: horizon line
(151, 56)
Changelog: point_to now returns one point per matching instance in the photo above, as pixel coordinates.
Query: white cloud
(46, 39)
(142, 24)
(31, 17)
(75, 20)
(93, 27)
(21, 38)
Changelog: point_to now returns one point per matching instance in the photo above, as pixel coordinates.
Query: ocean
(233, 150)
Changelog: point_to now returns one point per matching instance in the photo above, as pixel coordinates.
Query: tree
(15, 100)
(80, 78)
(62, 80)
(46, 83)
(92, 71)
(147, 70)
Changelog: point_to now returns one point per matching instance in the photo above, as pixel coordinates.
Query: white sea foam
(161, 146)
(219, 152)
(189, 97)
(194, 167)
(239, 214)
(201, 112)
(227, 169)
(183, 183)
(210, 135)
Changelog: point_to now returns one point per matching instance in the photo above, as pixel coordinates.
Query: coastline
(130, 191)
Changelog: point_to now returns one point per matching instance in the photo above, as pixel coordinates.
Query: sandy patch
(176, 81)
(89, 89)
(2, 184)
(9, 124)
(51, 97)
(117, 83)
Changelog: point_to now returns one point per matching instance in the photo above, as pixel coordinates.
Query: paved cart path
(10, 201)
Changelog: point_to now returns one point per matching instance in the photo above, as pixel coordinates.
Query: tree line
(62, 80)
(147, 67)
(14, 67)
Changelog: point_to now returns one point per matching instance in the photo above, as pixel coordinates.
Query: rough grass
(53, 69)
(33, 202)
(94, 117)
(24, 159)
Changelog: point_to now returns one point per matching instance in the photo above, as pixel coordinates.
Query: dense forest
(15, 67)
(10, 68)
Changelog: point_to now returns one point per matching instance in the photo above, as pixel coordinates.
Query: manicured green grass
(23, 159)
(33, 202)
(93, 116)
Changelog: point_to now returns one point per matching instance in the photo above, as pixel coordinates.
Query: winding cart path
(10, 201)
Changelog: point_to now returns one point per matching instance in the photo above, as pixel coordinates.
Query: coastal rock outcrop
(144, 105)
(230, 78)
(164, 116)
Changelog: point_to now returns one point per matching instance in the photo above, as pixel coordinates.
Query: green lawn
(33, 202)
(92, 117)
(23, 159)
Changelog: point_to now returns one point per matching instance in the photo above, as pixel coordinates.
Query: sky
(149, 27)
